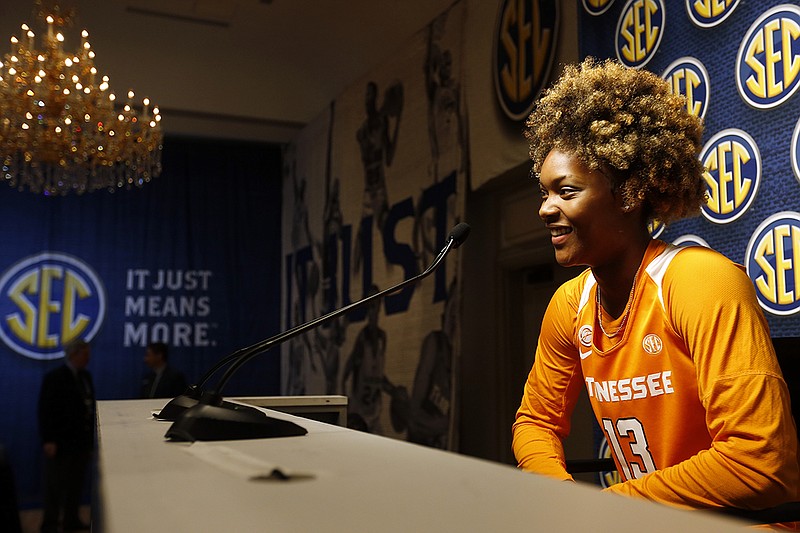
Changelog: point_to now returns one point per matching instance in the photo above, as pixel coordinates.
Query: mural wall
(371, 190)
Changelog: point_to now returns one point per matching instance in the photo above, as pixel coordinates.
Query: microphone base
(206, 422)
(177, 406)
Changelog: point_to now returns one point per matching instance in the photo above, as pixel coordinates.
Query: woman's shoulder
(703, 269)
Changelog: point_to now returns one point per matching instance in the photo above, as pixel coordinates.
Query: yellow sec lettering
(651, 30)
(628, 50)
(725, 177)
(509, 73)
(766, 282)
(518, 75)
(71, 326)
(796, 258)
(677, 77)
(524, 32)
(710, 8)
(772, 58)
(783, 265)
(541, 44)
(638, 31)
(47, 306)
(741, 184)
(24, 329)
(790, 31)
(756, 84)
(712, 164)
(692, 81)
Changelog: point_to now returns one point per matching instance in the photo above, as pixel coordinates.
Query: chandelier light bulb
(54, 134)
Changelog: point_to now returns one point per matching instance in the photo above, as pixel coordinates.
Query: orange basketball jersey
(688, 394)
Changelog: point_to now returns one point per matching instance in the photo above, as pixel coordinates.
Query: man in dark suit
(66, 425)
(162, 380)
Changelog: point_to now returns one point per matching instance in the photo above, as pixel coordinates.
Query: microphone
(206, 416)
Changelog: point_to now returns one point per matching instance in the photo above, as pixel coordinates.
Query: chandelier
(61, 129)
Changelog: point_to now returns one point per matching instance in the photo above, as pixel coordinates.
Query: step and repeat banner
(371, 190)
(188, 260)
(738, 64)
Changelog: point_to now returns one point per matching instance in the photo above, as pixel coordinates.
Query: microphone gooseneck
(455, 239)
(202, 415)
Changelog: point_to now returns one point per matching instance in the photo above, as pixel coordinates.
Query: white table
(345, 481)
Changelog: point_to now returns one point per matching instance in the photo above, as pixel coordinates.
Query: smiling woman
(670, 343)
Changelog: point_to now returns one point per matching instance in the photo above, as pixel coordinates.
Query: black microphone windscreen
(459, 234)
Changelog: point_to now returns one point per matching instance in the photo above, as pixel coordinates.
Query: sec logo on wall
(526, 35)
(639, 31)
(768, 61)
(773, 263)
(48, 300)
(733, 175)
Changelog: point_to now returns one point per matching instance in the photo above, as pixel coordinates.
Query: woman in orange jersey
(669, 343)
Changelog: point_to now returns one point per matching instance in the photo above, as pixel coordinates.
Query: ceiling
(257, 69)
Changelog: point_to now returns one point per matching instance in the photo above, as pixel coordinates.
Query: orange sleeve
(752, 462)
(551, 391)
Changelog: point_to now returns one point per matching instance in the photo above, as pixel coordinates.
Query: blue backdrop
(192, 259)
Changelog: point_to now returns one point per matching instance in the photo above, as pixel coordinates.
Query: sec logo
(773, 263)
(768, 61)
(688, 77)
(48, 300)
(639, 31)
(710, 13)
(597, 7)
(733, 174)
(524, 47)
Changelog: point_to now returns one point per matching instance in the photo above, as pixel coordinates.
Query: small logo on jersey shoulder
(585, 338)
(652, 344)
(639, 31)
(767, 72)
(585, 335)
(710, 13)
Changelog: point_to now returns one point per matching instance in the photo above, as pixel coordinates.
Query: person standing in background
(66, 424)
(162, 380)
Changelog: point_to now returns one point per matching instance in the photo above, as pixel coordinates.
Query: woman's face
(587, 223)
